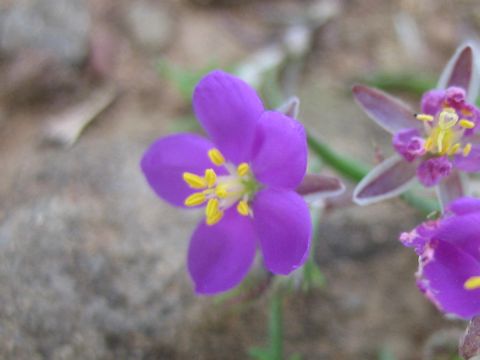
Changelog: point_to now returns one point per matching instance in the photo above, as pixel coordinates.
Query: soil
(92, 265)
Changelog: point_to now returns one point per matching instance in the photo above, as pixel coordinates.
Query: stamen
(453, 150)
(424, 117)
(428, 144)
(215, 218)
(467, 149)
(216, 157)
(440, 138)
(210, 177)
(221, 191)
(194, 181)
(212, 208)
(195, 199)
(243, 169)
(243, 208)
(467, 124)
(472, 283)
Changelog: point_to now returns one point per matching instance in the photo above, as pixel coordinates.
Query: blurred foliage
(414, 84)
(184, 80)
(385, 354)
(274, 349)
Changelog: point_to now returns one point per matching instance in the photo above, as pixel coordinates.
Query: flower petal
(470, 163)
(409, 143)
(432, 101)
(168, 158)
(320, 185)
(450, 188)
(444, 269)
(388, 179)
(220, 255)
(463, 232)
(431, 171)
(387, 111)
(465, 205)
(279, 151)
(462, 71)
(283, 225)
(228, 109)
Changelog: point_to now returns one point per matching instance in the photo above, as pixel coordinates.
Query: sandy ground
(92, 264)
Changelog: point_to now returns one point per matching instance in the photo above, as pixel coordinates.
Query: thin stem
(355, 171)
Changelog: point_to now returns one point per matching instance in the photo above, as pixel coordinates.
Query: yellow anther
(467, 149)
(424, 117)
(212, 208)
(447, 118)
(453, 150)
(210, 177)
(428, 144)
(243, 208)
(472, 283)
(243, 169)
(195, 199)
(221, 191)
(194, 181)
(467, 124)
(216, 157)
(215, 218)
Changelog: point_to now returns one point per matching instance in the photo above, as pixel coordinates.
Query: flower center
(472, 283)
(445, 132)
(221, 192)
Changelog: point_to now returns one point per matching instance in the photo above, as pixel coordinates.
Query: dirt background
(92, 265)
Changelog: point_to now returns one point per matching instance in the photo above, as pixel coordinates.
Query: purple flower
(245, 177)
(449, 256)
(432, 145)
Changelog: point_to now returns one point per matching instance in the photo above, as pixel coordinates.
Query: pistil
(445, 132)
(222, 192)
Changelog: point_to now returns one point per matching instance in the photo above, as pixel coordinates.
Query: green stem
(355, 171)
(276, 326)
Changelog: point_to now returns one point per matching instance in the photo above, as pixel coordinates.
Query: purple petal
(419, 237)
(387, 111)
(283, 225)
(461, 71)
(409, 144)
(168, 158)
(470, 163)
(280, 151)
(432, 101)
(431, 171)
(450, 188)
(220, 255)
(463, 232)
(444, 269)
(228, 109)
(465, 205)
(386, 180)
